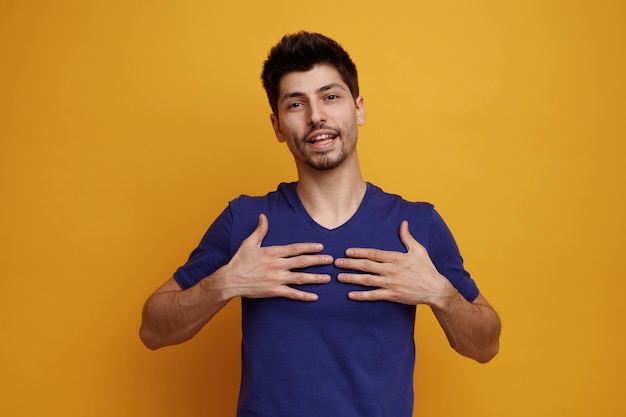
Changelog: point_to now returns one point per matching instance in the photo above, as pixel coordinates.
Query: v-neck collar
(293, 198)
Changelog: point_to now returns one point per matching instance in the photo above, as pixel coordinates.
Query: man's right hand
(172, 315)
(263, 272)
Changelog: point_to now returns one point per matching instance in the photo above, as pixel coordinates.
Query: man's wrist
(447, 296)
(217, 285)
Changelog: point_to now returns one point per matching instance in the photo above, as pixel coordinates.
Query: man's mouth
(322, 139)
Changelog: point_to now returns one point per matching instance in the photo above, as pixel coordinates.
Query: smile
(322, 139)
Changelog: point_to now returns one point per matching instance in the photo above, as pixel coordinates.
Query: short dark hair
(301, 52)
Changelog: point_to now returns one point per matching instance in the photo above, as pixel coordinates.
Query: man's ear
(276, 125)
(360, 110)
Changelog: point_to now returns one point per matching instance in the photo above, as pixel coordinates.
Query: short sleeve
(445, 254)
(212, 253)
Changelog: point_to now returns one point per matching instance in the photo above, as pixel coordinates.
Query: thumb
(406, 237)
(260, 232)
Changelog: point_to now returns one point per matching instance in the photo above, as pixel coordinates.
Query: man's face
(317, 117)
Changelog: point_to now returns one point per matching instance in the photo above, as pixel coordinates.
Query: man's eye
(331, 97)
(295, 105)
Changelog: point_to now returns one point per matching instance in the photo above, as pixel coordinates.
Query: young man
(329, 269)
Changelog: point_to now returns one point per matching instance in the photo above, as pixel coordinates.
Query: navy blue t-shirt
(334, 356)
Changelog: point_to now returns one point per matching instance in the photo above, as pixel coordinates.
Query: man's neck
(331, 197)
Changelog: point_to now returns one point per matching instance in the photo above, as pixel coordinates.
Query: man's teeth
(321, 138)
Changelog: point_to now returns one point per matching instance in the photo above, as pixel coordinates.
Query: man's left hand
(407, 278)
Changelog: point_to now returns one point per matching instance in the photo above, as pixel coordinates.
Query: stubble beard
(324, 160)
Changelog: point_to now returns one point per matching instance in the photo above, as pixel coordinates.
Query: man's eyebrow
(329, 87)
(296, 94)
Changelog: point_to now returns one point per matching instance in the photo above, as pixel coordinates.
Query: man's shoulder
(247, 207)
(282, 192)
(380, 196)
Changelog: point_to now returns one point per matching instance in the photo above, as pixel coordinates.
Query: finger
(256, 237)
(369, 295)
(372, 254)
(378, 266)
(407, 238)
(366, 280)
(295, 249)
(303, 278)
(303, 261)
(298, 295)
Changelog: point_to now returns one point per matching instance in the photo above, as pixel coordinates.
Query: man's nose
(317, 114)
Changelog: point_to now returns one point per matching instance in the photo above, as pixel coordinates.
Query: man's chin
(325, 164)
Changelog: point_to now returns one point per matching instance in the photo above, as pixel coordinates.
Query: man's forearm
(473, 329)
(172, 315)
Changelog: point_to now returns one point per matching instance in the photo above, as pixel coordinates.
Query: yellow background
(126, 126)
